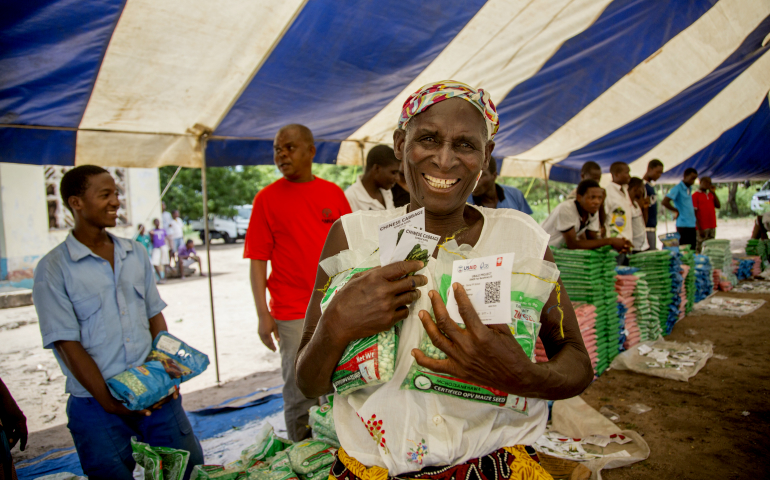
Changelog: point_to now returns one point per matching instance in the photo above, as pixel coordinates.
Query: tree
(732, 192)
(228, 187)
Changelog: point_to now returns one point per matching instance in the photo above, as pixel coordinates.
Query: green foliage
(343, 176)
(534, 190)
(227, 187)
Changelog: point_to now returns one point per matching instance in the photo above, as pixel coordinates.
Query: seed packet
(322, 424)
(266, 446)
(178, 358)
(390, 233)
(527, 297)
(141, 387)
(366, 361)
(145, 456)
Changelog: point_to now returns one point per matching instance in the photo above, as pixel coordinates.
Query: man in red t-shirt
(705, 201)
(289, 223)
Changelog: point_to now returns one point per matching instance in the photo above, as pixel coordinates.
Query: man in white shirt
(618, 207)
(575, 223)
(176, 231)
(372, 189)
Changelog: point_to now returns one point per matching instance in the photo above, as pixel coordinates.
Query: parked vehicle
(761, 198)
(227, 228)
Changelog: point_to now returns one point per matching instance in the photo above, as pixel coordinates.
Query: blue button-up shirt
(681, 196)
(79, 297)
(508, 197)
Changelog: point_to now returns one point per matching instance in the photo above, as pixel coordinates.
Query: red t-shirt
(705, 212)
(289, 224)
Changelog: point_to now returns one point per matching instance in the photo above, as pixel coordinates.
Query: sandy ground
(710, 425)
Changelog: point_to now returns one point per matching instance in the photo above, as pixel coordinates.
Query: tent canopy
(134, 82)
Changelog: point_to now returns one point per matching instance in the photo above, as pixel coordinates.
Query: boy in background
(639, 214)
(705, 202)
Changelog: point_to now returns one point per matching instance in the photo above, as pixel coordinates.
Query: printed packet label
(487, 281)
(389, 233)
(415, 245)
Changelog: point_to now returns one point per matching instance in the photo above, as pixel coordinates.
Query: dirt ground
(695, 430)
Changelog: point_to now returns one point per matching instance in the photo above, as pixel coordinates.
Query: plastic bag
(141, 387)
(150, 460)
(322, 424)
(310, 455)
(527, 299)
(218, 472)
(267, 445)
(367, 361)
(178, 358)
(160, 463)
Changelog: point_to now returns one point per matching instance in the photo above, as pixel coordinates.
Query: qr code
(492, 292)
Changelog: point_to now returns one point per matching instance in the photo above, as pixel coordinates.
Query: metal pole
(547, 193)
(208, 247)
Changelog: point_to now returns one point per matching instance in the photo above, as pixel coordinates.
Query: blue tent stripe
(341, 62)
(627, 32)
(740, 153)
(229, 152)
(52, 52)
(632, 141)
(37, 147)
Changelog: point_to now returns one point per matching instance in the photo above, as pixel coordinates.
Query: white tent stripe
(503, 45)
(171, 65)
(729, 107)
(684, 60)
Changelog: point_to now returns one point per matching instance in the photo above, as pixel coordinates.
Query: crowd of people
(99, 308)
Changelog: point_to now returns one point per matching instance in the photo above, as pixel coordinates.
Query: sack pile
(745, 268)
(688, 258)
(646, 313)
(720, 255)
(677, 282)
(589, 277)
(656, 267)
(704, 283)
(759, 248)
(685, 271)
(625, 285)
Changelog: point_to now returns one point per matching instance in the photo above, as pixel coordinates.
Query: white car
(227, 228)
(761, 198)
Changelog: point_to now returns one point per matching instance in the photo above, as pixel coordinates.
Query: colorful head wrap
(436, 92)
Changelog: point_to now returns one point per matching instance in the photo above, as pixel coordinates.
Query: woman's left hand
(484, 355)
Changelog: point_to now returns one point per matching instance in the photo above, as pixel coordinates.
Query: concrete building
(33, 219)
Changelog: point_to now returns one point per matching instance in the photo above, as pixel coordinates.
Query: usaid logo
(465, 268)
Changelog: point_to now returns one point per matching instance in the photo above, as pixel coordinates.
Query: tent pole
(204, 185)
(547, 193)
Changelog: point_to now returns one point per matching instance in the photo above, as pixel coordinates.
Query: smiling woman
(445, 140)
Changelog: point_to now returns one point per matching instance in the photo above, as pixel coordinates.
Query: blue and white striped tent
(134, 82)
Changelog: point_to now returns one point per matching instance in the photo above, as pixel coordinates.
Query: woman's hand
(485, 355)
(373, 301)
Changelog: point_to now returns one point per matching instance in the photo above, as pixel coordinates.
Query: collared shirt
(78, 297)
(618, 210)
(176, 228)
(566, 217)
(682, 198)
(507, 197)
(652, 211)
(359, 198)
(705, 209)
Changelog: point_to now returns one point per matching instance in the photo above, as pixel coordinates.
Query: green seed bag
(150, 460)
(366, 361)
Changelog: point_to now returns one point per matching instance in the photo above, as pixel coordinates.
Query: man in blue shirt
(99, 310)
(490, 194)
(654, 171)
(684, 213)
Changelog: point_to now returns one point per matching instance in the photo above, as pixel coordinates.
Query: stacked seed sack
(656, 266)
(721, 258)
(688, 259)
(625, 284)
(647, 314)
(586, 318)
(677, 281)
(589, 277)
(704, 283)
